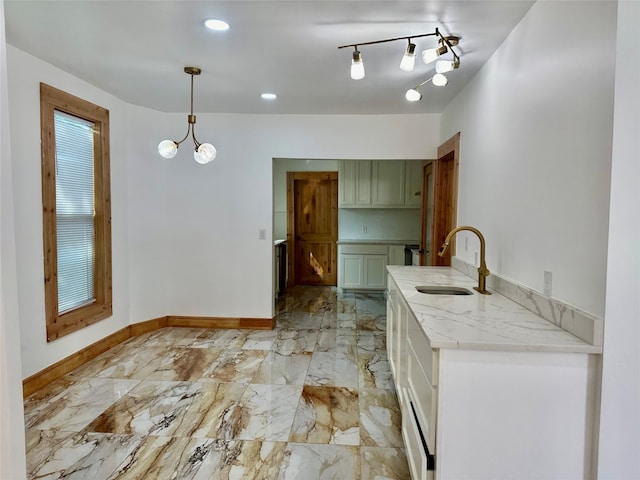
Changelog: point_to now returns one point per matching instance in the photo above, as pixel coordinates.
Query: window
(76, 212)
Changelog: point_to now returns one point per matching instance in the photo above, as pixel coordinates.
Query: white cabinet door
(346, 182)
(375, 271)
(413, 183)
(363, 182)
(354, 183)
(387, 183)
(396, 255)
(351, 271)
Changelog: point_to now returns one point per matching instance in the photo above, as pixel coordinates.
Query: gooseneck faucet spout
(483, 271)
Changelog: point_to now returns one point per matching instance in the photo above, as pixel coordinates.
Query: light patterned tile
(371, 342)
(380, 419)
(295, 341)
(238, 366)
(80, 404)
(277, 369)
(372, 322)
(84, 456)
(268, 411)
(333, 369)
(260, 340)
(374, 371)
(320, 462)
(152, 408)
(337, 341)
(165, 337)
(214, 412)
(380, 463)
(327, 415)
(133, 362)
(185, 364)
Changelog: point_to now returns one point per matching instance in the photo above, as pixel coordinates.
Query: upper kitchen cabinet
(413, 183)
(387, 183)
(354, 183)
(379, 183)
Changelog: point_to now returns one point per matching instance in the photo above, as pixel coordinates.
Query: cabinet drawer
(425, 355)
(424, 396)
(418, 458)
(362, 249)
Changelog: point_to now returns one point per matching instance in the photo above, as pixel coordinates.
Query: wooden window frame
(60, 324)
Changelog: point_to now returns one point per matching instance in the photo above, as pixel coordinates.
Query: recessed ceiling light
(216, 24)
(269, 96)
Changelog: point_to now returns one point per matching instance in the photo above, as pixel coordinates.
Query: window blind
(75, 228)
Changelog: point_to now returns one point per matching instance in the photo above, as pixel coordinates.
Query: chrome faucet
(483, 271)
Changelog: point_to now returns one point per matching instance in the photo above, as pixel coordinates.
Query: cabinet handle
(431, 461)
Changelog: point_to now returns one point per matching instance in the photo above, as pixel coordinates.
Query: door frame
(445, 207)
(291, 223)
(427, 169)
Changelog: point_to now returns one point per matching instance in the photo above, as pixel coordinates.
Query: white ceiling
(136, 50)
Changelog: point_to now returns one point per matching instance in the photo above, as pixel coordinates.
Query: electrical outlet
(262, 234)
(548, 277)
(364, 229)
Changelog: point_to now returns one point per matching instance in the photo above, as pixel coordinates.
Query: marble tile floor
(311, 399)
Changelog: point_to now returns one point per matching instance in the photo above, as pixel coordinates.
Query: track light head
(413, 95)
(439, 80)
(357, 67)
(409, 58)
(431, 54)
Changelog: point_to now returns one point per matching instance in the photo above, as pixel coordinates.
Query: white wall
(25, 74)
(536, 133)
(620, 410)
(149, 282)
(12, 449)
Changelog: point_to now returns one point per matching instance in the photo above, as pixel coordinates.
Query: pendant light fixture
(204, 152)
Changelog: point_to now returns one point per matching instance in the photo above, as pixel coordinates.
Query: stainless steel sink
(443, 290)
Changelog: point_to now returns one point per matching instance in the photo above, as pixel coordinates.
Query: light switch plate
(262, 234)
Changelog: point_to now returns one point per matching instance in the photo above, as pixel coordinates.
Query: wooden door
(312, 227)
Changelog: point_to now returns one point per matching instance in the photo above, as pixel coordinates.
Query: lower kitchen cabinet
(362, 267)
(396, 255)
(485, 413)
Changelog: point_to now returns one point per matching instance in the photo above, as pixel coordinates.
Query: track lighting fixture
(445, 46)
(204, 152)
(357, 67)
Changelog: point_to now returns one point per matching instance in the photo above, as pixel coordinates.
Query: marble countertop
(346, 241)
(478, 322)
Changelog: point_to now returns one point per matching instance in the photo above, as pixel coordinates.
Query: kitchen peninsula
(487, 388)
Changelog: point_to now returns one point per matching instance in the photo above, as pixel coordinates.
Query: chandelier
(204, 152)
